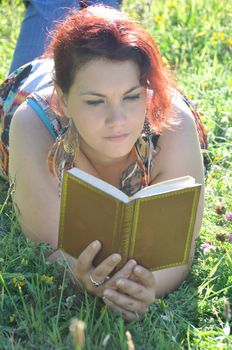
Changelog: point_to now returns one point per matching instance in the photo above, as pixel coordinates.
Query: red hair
(99, 31)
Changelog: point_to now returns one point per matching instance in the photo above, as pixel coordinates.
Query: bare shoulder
(183, 121)
(29, 142)
(26, 120)
(179, 151)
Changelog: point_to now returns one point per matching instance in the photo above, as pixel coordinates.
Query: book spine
(126, 229)
(197, 192)
(134, 225)
(118, 222)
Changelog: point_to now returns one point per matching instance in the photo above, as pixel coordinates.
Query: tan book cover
(154, 227)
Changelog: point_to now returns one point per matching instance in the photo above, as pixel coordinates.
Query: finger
(127, 315)
(125, 302)
(145, 276)
(106, 267)
(134, 278)
(126, 270)
(136, 291)
(85, 259)
(100, 273)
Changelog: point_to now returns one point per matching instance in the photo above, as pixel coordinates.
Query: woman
(109, 104)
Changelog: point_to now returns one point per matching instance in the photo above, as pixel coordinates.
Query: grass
(37, 300)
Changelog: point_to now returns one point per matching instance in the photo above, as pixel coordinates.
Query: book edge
(62, 210)
(99, 184)
(165, 187)
(196, 189)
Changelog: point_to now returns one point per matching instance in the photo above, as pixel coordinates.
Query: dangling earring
(63, 152)
(147, 131)
(70, 140)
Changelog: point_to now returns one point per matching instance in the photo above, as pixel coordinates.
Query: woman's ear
(62, 99)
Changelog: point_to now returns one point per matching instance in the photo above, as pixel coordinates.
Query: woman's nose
(116, 116)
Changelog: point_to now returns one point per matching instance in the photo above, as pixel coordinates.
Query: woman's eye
(94, 102)
(132, 97)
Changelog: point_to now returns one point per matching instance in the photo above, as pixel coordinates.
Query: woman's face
(108, 106)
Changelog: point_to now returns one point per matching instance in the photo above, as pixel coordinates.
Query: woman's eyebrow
(132, 89)
(101, 95)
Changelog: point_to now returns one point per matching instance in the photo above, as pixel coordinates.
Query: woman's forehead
(104, 73)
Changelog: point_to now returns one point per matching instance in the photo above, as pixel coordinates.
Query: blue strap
(42, 116)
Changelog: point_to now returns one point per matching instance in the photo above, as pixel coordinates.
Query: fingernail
(116, 258)
(138, 269)
(107, 293)
(120, 283)
(106, 301)
(96, 244)
(132, 263)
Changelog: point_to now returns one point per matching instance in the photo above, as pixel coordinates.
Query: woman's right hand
(85, 269)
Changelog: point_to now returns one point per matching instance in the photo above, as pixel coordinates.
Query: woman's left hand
(132, 297)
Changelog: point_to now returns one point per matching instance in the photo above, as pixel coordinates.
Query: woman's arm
(36, 196)
(36, 190)
(179, 155)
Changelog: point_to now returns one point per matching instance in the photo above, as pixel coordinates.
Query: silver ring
(98, 284)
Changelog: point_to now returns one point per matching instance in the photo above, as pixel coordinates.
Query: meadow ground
(37, 300)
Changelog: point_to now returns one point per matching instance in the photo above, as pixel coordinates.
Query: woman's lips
(117, 138)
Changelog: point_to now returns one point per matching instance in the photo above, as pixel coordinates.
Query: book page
(98, 183)
(166, 186)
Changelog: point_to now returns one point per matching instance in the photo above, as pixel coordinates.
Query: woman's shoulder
(30, 141)
(25, 123)
(181, 110)
(36, 111)
(182, 122)
(179, 152)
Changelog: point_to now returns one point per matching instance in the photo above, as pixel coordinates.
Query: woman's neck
(107, 169)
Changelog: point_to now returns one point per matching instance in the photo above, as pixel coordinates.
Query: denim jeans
(39, 19)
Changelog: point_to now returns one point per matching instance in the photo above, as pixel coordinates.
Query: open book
(154, 226)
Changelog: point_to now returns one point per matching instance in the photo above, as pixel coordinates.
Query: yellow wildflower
(220, 36)
(18, 281)
(11, 318)
(158, 19)
(217, 158)
(24, 261)
(171, 5)
(213, 41)
(216, 37)
(229, 42)
(47, 279)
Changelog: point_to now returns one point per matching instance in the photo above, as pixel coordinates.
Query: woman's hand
(132, 297)
(85, 271)
(129, 291)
